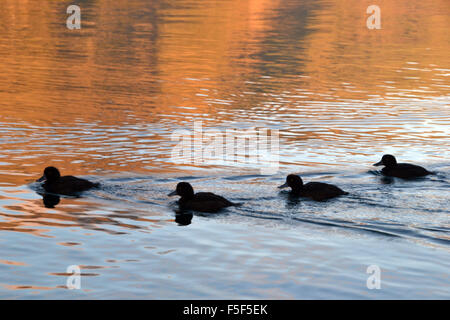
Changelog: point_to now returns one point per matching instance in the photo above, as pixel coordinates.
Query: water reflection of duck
(50, 200)
(400, 170)
(200, 201)
(67, 185)
(183, 219)
(318, 191)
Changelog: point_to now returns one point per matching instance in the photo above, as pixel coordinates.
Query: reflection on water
(50, 200)
(103, 101)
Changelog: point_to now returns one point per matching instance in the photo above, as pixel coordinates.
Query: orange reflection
(107, 97)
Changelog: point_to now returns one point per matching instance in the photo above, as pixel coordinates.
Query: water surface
(103, 102)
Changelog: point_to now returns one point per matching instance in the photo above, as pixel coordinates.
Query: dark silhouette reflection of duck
(387, 180)
(183, 219)
(50, 200)
(293, 201)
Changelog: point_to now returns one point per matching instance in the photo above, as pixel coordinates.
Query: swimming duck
(200, 201)
(318, 191)
(67, 185)
(400, 170)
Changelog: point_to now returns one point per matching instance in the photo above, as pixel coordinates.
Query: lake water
(104, 102)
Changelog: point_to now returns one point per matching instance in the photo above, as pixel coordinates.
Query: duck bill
(173, 193)
(378, 164)
(41, 179)
(283, 186)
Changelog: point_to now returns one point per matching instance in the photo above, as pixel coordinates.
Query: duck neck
(297, 189)
(186, 197)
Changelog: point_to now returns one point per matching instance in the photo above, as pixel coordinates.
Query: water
(103, 102)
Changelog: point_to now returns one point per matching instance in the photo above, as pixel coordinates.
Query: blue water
(104, 102)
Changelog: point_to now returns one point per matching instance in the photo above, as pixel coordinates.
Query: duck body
(405, 171)
(401, 170)
(317, 191)
(200, 201)
(205, 202)
(68, 185)
(65, 185)
(320, 191)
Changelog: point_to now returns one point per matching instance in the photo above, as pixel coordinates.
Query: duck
(317, 191)
(400, 170)
(65, 185)
(200, 201)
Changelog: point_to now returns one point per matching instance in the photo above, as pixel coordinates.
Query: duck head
(387, 160)
(50, 174)
(293, 181)
(184, 190)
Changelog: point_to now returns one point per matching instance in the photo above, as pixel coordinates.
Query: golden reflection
(104, 100)
(108, 96)
(32, 217)
(12, 263)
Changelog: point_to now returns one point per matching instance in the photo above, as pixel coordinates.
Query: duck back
(205, 202)
(405, 171)
(68, 185)
(321, 191)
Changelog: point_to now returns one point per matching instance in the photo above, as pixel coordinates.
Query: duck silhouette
(317, 191)
(65, 185)
(400, 170)
(200, 201)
